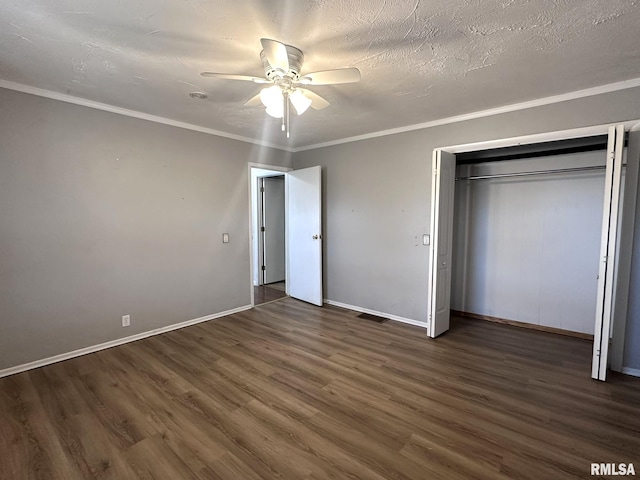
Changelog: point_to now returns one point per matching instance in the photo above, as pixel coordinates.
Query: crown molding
(19, 87)
(588, 92)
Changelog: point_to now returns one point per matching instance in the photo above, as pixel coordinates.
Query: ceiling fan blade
(276, 54)
(331, 77)
(317, 102)
(253, 101)
(230, 76)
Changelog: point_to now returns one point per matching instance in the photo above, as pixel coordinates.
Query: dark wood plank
(289, 390)
(265, 294)
(515, 323)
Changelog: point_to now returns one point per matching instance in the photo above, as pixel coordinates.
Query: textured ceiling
(421, 60)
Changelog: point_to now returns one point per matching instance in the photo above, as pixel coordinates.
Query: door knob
(315, 237)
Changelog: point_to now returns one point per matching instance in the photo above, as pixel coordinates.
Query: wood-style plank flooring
(267, 293)
(292, 391)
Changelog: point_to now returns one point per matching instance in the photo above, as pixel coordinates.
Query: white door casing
(442, 198)
(304, 234)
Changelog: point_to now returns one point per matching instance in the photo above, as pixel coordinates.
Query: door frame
(252, 220)
(628, 220)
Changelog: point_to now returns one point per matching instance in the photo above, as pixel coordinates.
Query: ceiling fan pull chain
(288, 103)
(284, 109)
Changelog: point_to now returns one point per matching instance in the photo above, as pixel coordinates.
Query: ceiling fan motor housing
(296, 59)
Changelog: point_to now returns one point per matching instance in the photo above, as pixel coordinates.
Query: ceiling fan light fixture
(271, 97)
(275, 111)
(300, 101)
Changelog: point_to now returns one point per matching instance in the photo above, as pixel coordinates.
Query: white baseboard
(114, 343)
(631, 371)
(374, 312)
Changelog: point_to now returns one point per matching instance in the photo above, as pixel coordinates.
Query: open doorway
(268, 233)
(303, 232)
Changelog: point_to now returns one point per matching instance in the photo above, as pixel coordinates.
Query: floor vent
(373, 318)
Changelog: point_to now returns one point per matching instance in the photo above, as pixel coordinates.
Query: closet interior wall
(526, 248)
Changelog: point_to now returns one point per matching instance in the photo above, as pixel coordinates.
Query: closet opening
(526, 235)
(529, 230)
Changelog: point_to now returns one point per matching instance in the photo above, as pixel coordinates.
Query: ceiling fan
(282, 64)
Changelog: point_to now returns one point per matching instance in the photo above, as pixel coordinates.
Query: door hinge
(262, 229)
(261, 189)
(264, 268)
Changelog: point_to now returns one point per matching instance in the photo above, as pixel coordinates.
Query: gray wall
(103, 215)
(377, 195)
(528, 248)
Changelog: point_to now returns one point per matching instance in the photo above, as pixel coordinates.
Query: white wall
(527, 248)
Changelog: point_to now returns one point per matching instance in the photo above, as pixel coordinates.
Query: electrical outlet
(126, 320)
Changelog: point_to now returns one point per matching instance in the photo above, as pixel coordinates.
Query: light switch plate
(225, 238)
(426, 239)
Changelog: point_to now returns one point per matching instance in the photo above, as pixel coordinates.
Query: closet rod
(538, 172)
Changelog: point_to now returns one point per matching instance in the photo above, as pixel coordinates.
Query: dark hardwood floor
(292, 391)
(268, 293)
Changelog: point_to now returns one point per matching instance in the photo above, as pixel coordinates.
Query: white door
(606, 271)
(304, 237)
(442, 189)
(273, 229)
